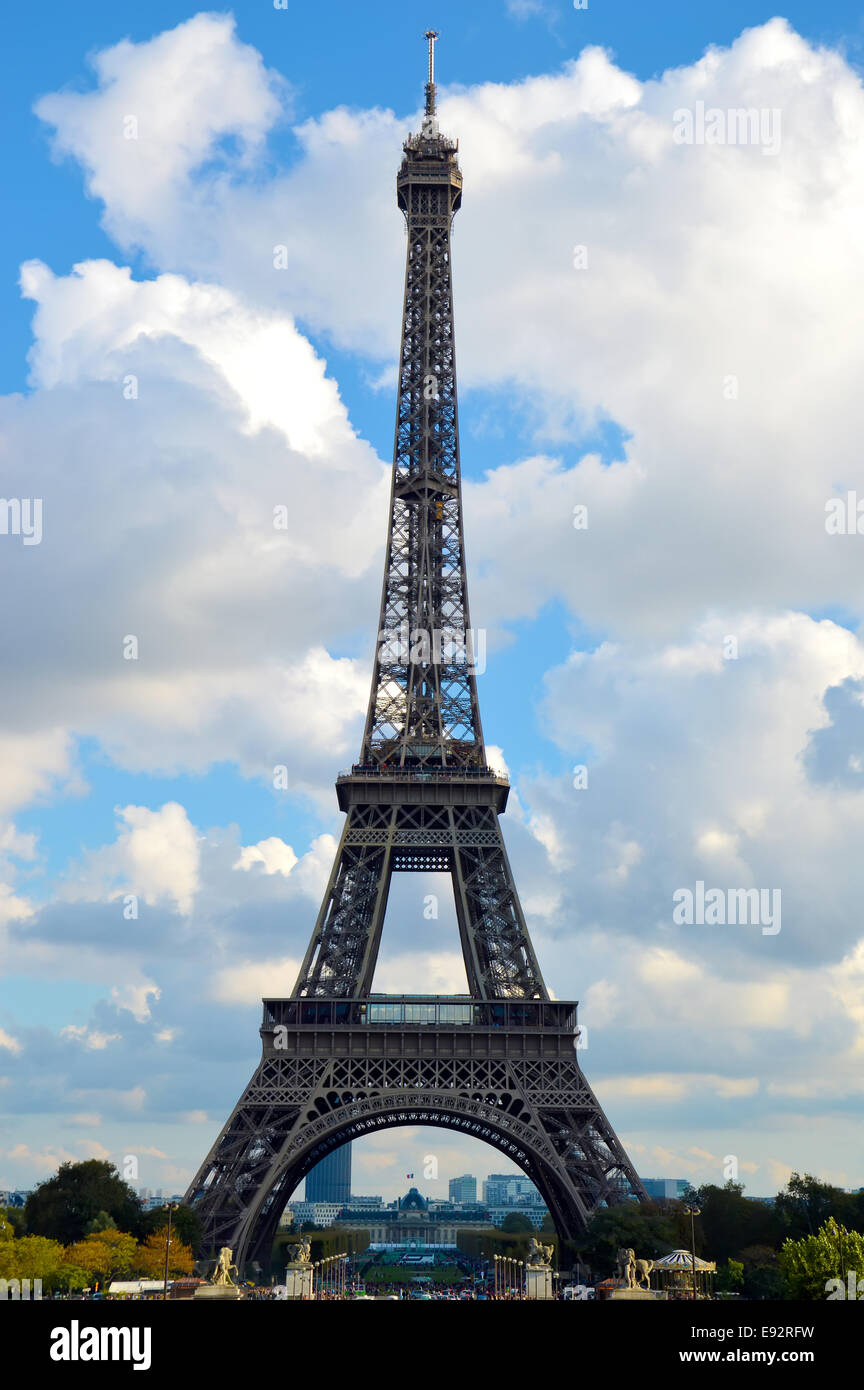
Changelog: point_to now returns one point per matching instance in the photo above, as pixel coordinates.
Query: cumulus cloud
(155, 120)
(685, 327)
(697, 770)
(156, 856)
(210, 483)
(275, 856)
(247, 982)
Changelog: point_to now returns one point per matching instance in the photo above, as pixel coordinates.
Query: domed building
(415, 1221)
(413, 1201)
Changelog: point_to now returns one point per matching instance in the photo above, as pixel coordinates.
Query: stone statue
(539, 1254)
(633, 1271)
(626, 1267)
(299, 1253)
(222, 1273)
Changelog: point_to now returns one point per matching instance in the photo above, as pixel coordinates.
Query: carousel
(674, 1275)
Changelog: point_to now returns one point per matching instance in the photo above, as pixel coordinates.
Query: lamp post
(495, 1274)
(172, 1207)
(693, 1212)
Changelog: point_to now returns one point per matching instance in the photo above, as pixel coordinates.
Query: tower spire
(431, 37)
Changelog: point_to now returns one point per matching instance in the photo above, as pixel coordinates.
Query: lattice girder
(524, 1092)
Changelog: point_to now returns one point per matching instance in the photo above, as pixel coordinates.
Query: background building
(511, 1190)
(495, 1188)
(415, 1221)
(14, 1197)
(658, 1188)
(302, 1214)
(330, 1180)
(498, 1215)
(464, 1189)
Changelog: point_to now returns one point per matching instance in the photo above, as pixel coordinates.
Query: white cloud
(186, 90)
(247, 982)
(12, 907)
(179, 492)
(423, 972)
(136, 998)
(648, 334)
(273, 853)
(678, 1085)
(93, 1040)
(156, 857)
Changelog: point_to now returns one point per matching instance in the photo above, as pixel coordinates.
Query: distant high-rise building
(658, 1188)
(463, 1189)
(522, 1192)
(330, 1180)
(495, 1189)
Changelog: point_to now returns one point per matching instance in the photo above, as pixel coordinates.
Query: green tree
(101, 1222)
(806, 1204)
(729, 1222)
(67, 1278)
(730, 1279)
(185, 1221)
(765, 1281)
(651, 1229)
(515, 1224)
(12, 1222)
(30, 1257)
(62, 1207)
(809, 1264)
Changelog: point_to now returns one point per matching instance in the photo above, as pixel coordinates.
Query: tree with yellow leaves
(105, 1255)
(150, 1260)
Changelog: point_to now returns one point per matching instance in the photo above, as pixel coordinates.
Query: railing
(426, 774)
(430, 1011)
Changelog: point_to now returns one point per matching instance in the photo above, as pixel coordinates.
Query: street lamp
(693, 1212)
(172, 1207)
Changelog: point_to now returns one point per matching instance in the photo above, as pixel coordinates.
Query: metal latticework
(499, 1063)
(335, 1070)
(423, 710)
(438, 834)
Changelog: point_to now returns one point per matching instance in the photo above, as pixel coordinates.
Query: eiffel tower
(339, 1062)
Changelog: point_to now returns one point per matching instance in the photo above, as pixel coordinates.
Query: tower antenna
(431, 37)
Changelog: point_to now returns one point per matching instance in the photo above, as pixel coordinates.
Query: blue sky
(706, 521)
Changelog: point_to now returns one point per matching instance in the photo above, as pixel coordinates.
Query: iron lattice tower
(338, 1062)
